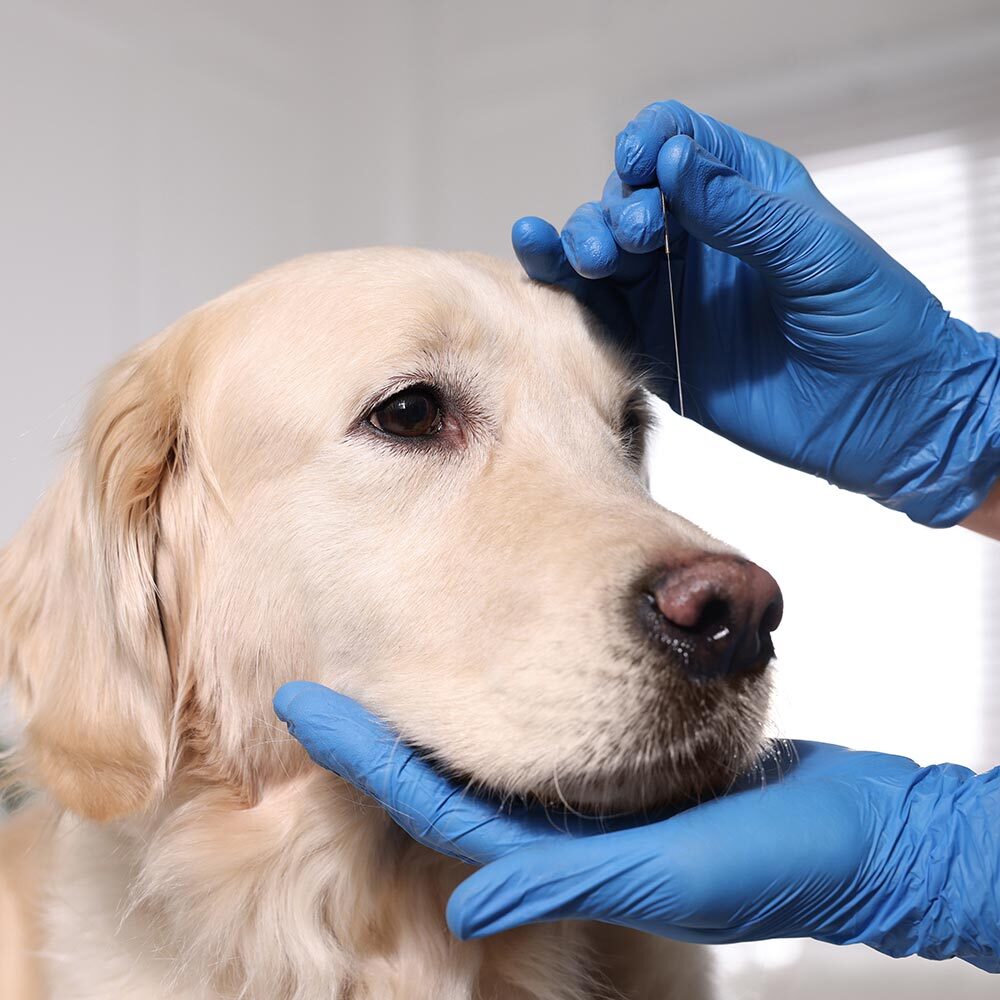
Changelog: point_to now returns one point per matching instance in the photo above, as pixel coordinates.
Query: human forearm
(985, 519)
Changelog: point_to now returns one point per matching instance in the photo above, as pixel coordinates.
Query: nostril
(715, 614)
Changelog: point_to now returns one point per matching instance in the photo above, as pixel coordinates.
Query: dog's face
(417, 478)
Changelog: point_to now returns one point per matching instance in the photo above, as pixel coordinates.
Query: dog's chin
(634, 786)
(650, 778)
(692, 747)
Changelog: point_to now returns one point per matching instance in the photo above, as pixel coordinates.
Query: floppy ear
(80, 634)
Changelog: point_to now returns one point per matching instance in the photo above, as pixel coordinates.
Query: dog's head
(417, 478)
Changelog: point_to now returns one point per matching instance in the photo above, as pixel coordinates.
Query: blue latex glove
(844, 846)
(801, 339)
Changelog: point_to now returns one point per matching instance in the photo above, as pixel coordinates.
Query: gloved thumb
(717, 205)
(617, 878)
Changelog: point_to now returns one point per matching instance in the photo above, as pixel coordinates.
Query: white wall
(156, 153)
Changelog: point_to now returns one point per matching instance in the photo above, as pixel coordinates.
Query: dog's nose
(715, 612)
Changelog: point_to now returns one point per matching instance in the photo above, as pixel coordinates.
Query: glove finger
(652, 888)
(577, 881)
(655, 880)
(634, 215)
(590, 247)
(715, 204)
(540, 252)
(638, 144)
(342, 737)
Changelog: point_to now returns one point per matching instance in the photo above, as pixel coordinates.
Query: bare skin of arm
(985, 519)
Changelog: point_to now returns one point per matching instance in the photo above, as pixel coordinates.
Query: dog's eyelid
(457, 394)
(412, 413)
(397, 385)
(462, 416)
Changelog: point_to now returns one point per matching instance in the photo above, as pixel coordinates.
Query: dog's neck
(312, 893)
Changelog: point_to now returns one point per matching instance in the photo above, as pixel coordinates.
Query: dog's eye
(414, 412)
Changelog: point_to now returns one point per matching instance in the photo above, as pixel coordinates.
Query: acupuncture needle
(673, 308)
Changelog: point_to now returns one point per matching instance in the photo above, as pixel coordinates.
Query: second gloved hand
(843, 846)
(800, 338)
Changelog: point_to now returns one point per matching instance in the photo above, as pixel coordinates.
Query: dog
(416, 477)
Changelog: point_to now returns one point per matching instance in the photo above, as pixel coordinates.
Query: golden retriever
(413, 476)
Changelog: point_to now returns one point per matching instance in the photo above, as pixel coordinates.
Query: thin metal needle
(673, 309)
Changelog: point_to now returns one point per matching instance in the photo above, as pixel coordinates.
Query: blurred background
(157, 153)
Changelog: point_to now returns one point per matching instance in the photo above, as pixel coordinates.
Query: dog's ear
(81, 639)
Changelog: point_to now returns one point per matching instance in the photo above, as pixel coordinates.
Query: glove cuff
(956, 462)
(942, 898)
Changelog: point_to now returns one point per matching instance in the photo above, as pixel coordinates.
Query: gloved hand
(843, 846)
(800, 338)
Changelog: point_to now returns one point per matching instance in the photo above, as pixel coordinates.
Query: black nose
(715, 613)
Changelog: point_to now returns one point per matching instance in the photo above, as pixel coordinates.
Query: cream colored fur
(229, 522)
